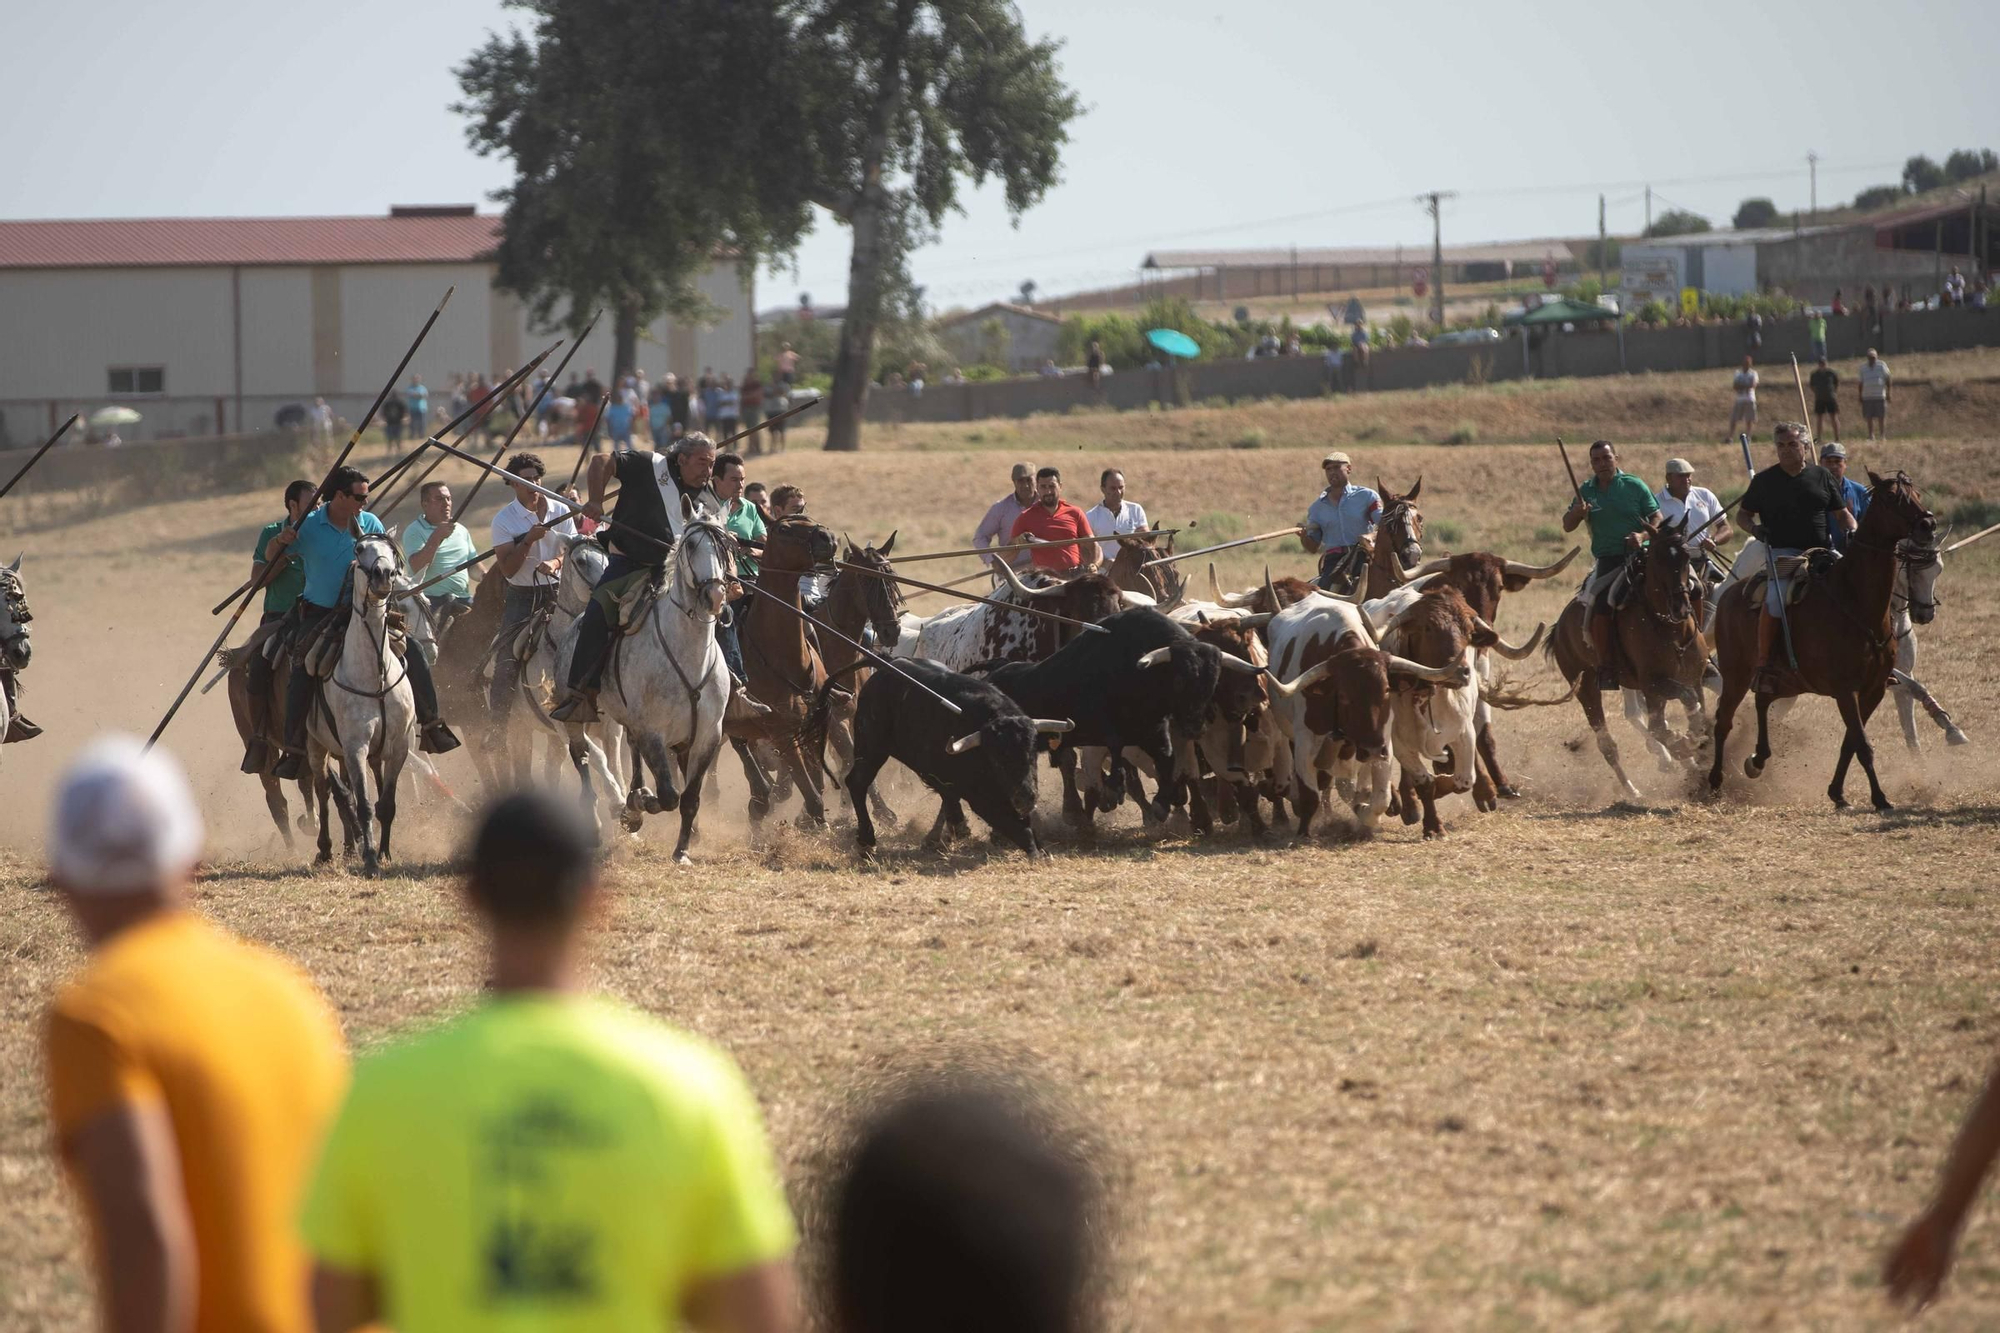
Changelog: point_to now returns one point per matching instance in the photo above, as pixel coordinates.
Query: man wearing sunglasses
(529, 538)
(324, 543)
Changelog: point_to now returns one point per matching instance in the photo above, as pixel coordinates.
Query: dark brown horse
(1397, 544)
(853, 603)
(1165, 584)
(784, 672)
(1657, 635)
(1839, 632)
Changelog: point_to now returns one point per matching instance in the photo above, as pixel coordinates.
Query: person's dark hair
(524, 462)
(1042, 472)
(782, 496)
(299, 488)
(724, 460)
(956, 1211)
(532, 860)
(342, 479)
(1105, 475)
(428, 489)
(1595, 445)
(756, 486)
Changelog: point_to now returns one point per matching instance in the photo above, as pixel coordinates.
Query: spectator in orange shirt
(1052, 519)
(190, 1074)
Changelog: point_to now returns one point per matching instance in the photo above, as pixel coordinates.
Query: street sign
(1690, 302)
(1420, 281)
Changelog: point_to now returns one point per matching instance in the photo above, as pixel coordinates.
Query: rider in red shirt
(1052, 519)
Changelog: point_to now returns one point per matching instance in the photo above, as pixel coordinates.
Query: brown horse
(1657, 635)
(1839, 632)
(784, 672)
(1397, 544)
(855, 602)
(237, 660)
(1165, 584)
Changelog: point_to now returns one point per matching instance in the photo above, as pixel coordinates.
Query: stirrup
(437, 738)
(743, 706)
(19, 729)
(1607, 677)
(255, 755)
(580, 708)
(1768, 680)
(291, 764)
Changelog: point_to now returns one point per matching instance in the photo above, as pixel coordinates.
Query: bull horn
(1403, 666)
(1255, 620)
(1521, 571)
(1231, 599)
(1368, 627)
(1437, 566)
(1508, 650)
(964, 743)
(1055, 724)
(1155, 657)
(1231, 662)
(1023, 590)
(1286, 689)
(1270, 592)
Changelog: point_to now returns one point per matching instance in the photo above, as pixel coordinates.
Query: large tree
(902, 99)
(1678, 222)
(634, 165)
(1754, 213)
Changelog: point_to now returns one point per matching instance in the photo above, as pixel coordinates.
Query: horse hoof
(1751, 768)
(667, 800)
(632, 821)
(1956, 737)
(324, 858)
(683, 860)
(759, 811)
(1509, 791)
(1884, 806)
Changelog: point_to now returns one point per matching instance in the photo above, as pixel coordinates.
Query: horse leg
(753, 774)
(364, 814)
(807, 779)
(580, 758)
(385, 801)
(1753, 767)
(698, 766)
(1725, 716)
(1593, 711)
(274, 801)
(1638, 706)
(1863, 707)
(323, 789)
(653, 749)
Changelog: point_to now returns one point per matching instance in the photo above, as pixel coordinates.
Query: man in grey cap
(1833, 457)
(999, 520)
(190, 1074)
(1337, 520)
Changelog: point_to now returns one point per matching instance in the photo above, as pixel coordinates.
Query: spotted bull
(961, 637)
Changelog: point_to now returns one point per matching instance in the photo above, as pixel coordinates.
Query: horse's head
(1669, 566)
(1402, 524)
(1165, 584)
(377, 566)
(1897, 517)
(883, 599)
(795, 544)
(15, 648)
(705, 558)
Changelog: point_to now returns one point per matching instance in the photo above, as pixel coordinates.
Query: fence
(1584, 353)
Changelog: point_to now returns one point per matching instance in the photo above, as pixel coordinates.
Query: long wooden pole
(1805, 419)
(972, 597)
(1967, 541)
(886, 663)
(1030, 545)
(271, 568)
(62, 431)
(1223, 546)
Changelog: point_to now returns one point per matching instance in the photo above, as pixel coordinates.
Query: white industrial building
(211, 325)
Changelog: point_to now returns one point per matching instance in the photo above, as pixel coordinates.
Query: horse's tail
(819, 718)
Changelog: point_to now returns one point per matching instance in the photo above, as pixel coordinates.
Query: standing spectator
(1833, 457)
(1825, 382)
(190, 1074)
(788, 365)
(680, 406)
(1839, 306)
(777, 402)
(592, 387)
(1753, 333)
(1049, 370)
(1871, 315)
(1357, 364)
(1053, 519)
(618, 422)
(459, 400)
(1744, 409)
(1954, 286)
(659, 416)
(322, 419)
(1115, 514)
(394, 414)
(547, 1159)
(916, 377)
(1000, 516)
(1875, 395)
(1331, 361)
(751, 396)
(1093, 365)
(1816, 334)
(418, 399)
(728, 408)
(709, 389)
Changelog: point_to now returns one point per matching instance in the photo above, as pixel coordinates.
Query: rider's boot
(298, 699)
(586, 667)
(434, 737)
(257, 752)
(743, 707)
(1766, 681)
(1607, 659)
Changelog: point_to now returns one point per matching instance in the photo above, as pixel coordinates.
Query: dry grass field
(1580, 1065)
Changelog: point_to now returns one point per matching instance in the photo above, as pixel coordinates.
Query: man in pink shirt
(999, 520)
(1054, 519)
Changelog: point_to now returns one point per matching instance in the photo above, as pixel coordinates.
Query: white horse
(15, 647)
(373, 711)
(666, 681)
(582, 566)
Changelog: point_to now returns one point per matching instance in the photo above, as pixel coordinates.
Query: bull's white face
(15, 647)
(377, 564)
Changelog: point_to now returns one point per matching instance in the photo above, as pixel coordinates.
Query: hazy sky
(1207, 124)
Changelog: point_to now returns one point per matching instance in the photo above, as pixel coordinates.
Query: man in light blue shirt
(418, 399)
(1834, 459)
(1339, 517)
(434, 544)
(325, 543)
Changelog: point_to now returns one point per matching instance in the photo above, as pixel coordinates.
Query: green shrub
(1463, 433)
(1249, 439)
(1548, 532)
(1972, 515)
(1446, 531)
(1654, 313)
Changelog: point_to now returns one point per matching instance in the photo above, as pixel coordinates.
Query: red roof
(431, 238)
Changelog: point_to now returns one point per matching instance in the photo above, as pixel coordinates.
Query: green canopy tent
(1555, 314)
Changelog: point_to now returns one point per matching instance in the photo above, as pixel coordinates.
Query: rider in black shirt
(1786, 508)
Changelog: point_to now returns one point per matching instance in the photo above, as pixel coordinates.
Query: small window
(138, 379)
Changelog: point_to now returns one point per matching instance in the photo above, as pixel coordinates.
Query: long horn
(1231, 662)
(1055, 724)
(1155, 657)
(1254, 620)
(1521, 571)
(1451, 675)
(1286, 689)
(970, 741)
(1508, 650)
(1443, 562)
(1231, 599)
(1023, 590)
(1270, 592)
(1368, 627)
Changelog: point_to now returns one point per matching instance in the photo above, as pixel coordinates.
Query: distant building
(1017, 337)
(1910, 250)
(214, 324)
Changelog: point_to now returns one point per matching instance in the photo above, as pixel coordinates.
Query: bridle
(1407, 529)
(882, 597)
(723, 543)
(588, 583)
(1679, 609)
(1909, 553)
(377, 641)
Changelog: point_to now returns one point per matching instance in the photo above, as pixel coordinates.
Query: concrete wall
(262, 338)
(1030, 341)
(1588, 353)
(1810, 267)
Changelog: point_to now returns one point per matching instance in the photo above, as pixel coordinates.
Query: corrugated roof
(207, 242)
(1755, 236)
(1496, 252)
(991, 306)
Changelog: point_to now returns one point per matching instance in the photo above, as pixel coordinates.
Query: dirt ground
(1579, 1065)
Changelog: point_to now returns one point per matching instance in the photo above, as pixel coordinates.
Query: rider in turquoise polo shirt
(1622, 513)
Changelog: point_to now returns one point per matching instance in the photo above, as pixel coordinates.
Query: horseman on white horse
(14, 653)
(325, 544)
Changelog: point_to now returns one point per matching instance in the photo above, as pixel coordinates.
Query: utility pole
(1431, 201)
(1812, 165)
(1603, 250)
(1649, 212)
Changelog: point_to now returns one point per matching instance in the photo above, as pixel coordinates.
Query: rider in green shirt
(1622, 513)
(281, 594)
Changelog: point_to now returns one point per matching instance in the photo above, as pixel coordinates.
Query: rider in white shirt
(1116, 514)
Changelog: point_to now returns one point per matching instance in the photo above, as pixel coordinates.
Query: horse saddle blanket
(526, 637)
(629, 598)
(1800, 570)
(321, 649)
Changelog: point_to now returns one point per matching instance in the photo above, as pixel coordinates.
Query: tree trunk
(848, 402)
(625, 346)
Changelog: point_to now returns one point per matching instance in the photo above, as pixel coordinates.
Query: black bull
(1116, 699)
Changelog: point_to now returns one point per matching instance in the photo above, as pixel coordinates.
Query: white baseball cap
(124, 820)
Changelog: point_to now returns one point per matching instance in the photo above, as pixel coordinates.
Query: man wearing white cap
(1681, 497)
(1339, 517)
(190, 1074)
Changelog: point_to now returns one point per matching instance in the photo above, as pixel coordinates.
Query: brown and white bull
(1434, 730)
(1331, 689)
(961, 637)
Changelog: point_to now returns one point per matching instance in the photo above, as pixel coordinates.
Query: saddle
(628, 599)
(1813, 565)
(319, 650)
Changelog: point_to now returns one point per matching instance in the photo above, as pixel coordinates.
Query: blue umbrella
(1174, 343)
